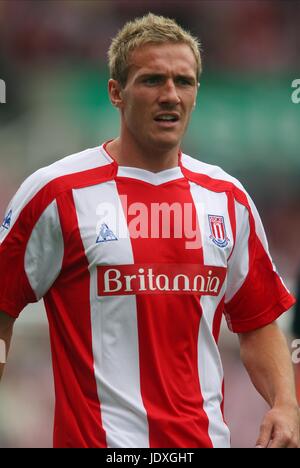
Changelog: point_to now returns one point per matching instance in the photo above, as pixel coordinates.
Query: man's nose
(169, 94)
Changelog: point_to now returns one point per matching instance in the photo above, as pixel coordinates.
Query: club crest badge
(218, 230)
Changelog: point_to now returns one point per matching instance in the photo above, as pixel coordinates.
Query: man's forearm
(1, 370)
(266, 357)
(6, 328)
(4, 347)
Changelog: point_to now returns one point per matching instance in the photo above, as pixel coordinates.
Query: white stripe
(238, 265)
(263, 238)
(44, 252)
(114, 323)
(211, 373)
(211, 203)
(154, 178)
(214, 172)
(209, 362)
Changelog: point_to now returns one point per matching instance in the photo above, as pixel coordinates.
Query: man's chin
(166, 143)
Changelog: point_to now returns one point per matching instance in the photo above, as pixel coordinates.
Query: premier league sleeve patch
(218, 230)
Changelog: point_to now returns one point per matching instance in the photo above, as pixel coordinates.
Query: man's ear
(115, 93)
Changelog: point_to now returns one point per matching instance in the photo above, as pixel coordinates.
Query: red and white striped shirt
(134, 302)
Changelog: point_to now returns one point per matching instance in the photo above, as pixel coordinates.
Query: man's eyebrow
(187, 77)
(162, 75)
(147, 74)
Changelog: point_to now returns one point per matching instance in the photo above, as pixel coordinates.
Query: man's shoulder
(67, 170)
(73, 164)
(210, 176)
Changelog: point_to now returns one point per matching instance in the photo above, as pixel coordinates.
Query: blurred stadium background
(53, 60)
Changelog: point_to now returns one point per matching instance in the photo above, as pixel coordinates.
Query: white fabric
(114, 326)
(44, 252)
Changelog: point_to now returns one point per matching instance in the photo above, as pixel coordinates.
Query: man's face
(159, 95)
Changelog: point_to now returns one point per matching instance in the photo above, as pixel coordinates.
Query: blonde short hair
(148, 29)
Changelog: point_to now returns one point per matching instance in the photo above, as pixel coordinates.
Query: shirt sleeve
(31, 247)
(255, 293)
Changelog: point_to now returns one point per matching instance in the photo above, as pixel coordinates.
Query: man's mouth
(167, 117)
(167, 120)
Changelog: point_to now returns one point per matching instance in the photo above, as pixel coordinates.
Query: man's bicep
(257, 333)
(6, 320)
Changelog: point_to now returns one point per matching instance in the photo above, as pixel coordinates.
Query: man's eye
(152, 80)
(184, 81)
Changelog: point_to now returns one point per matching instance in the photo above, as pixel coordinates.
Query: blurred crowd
(242, 35)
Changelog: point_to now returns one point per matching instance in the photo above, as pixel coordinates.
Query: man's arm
(266, 357)
(6, 328)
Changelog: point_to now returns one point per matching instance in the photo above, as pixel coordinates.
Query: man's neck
(133, 156)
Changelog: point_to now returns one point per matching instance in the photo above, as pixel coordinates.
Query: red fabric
(232, 217)
(168, 324)
(77, 412)
(167, 342)
(262, 297)
(15, 290)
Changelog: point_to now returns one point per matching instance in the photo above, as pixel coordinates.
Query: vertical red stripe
(222, 404)
(218, 320)
(232, 218)
(168, 328)
(77, 413)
